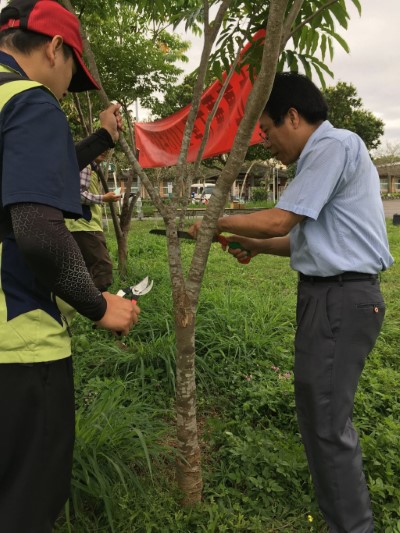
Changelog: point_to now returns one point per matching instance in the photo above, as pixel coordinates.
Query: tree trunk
(122, 242)
(188, 467)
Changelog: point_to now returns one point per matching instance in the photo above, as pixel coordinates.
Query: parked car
(201, 192)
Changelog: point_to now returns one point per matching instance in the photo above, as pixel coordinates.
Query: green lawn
(254, 467)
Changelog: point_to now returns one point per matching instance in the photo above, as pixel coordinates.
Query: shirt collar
(315, 136)
(9, 61)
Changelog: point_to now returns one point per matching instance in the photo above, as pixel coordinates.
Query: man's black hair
(291, 89)
(25, 41)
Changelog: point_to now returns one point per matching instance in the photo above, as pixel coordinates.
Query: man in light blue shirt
(337, 188)
(330, 222)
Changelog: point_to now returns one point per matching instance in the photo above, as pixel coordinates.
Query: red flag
(159, 142)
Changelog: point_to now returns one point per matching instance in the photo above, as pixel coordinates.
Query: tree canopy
(346, 111)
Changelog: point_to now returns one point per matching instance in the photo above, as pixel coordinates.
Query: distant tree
(388, 155)
(175, 99)
(346, 111)
(135, 54)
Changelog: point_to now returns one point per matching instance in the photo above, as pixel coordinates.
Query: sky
(373, 65)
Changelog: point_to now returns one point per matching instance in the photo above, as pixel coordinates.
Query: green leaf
(341, 41)
(310, 40)
(315, 43)
(145, 449)
(316, 21)
(306, 66)
(217, 70)
(323, 46)
(340, 14)
(328, 19)
(357, 3)
(320, 75)
(331, 50)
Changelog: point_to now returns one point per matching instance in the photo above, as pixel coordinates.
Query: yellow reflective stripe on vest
(11, 88)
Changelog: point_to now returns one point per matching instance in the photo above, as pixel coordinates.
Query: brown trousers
(97, 259)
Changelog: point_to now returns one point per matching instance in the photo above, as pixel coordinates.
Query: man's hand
(249, 247)
(111, 120)
(121, 314)
(194, 229)
(110, 196)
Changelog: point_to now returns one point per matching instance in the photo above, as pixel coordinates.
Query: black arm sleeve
(94, 145)
(55, 258)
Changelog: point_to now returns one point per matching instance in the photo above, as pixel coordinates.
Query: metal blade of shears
(180, 234)
(141, 288)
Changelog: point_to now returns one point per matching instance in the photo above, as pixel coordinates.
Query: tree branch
(255, 104)
(288, 32)
(215, 108)
(78, 106)
(209, 38)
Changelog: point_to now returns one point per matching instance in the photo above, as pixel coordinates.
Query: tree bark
(122, 244)
(188, 467)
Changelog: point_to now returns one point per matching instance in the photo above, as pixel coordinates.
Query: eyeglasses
(264, 137)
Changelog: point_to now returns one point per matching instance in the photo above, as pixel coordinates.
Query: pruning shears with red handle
(134, 291)
(217, 238)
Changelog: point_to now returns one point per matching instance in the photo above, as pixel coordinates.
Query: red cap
(50, 18)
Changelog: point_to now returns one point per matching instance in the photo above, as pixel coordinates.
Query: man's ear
(53, 48)
(294, 117)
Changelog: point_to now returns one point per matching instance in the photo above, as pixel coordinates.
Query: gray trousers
(337, 326)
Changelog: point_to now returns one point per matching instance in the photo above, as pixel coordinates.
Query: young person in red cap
(43, 275)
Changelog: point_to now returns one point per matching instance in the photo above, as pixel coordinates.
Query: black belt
(345, 276)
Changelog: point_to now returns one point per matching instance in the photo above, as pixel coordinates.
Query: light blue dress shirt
(337, 188)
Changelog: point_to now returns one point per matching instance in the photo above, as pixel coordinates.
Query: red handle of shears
(234, 245)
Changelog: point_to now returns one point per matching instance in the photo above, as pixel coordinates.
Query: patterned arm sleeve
(55, 258)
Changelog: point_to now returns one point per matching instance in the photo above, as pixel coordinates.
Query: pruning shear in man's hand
(217, 238)
(133, 292)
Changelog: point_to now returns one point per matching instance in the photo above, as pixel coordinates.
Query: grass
(254, 467)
